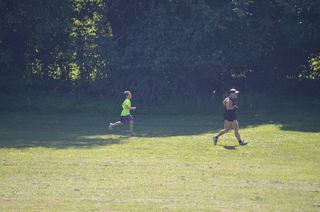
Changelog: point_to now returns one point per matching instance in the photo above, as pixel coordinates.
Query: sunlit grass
(58, 162)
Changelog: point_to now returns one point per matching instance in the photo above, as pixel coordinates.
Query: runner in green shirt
(125, 113)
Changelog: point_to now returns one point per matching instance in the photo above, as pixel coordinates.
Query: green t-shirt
(126, 105)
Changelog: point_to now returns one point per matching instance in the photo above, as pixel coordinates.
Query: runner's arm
(229, 105)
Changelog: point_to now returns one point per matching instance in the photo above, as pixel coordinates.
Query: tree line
(159, 49)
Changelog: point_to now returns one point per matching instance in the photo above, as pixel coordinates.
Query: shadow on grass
(194, 125)
(26, 130)
(302, 121)
(230, 147)
(59, 131)
(60, 143)
(178, 125)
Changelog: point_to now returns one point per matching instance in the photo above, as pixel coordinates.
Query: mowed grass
(71, 162)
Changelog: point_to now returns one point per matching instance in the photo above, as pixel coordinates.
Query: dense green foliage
(159, 49)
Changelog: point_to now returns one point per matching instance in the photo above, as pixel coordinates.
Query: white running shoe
(110, 126)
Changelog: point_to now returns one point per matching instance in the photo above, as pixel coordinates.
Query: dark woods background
(160, 49)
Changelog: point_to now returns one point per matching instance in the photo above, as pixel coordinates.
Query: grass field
(71, 162)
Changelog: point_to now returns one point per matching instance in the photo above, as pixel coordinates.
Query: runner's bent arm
(229, 105)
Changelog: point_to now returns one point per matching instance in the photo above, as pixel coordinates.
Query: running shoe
(243, 142)
(215, 140)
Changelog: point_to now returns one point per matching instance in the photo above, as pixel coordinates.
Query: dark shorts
(126, 118)
(229, 119)
(229, 116)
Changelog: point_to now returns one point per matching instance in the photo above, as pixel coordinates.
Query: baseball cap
(233, 90)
